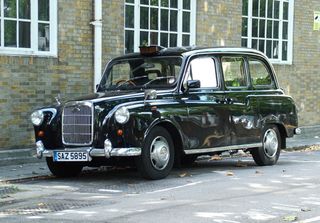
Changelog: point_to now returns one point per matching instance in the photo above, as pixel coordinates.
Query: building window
(28, 27)
(168, 23)
(267, 26)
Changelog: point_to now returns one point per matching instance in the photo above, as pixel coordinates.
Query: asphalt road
(228, 190)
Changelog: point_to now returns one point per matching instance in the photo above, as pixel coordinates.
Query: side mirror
(193, 84)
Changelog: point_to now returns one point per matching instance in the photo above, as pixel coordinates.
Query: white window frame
(290, 21)
(137, 29)
(33, 50)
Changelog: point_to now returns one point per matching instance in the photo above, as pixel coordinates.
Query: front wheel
(63, 169)
(269, 153)
(157, 156)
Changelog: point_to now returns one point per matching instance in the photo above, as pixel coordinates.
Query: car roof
(194, 50)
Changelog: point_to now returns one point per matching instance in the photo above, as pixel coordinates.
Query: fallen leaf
(283, 171)
(183, 175)
(290, 218)
(41, 204)
(215, 157)
(258, 172)
(230, 173)
(305, 209)
(241, 164)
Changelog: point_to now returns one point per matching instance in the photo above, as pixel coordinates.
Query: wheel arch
(174, 133)
(283, 132)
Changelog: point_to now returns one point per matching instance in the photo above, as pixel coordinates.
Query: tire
(63, 169)
(157, 155)
(269, 153)
(188, 160)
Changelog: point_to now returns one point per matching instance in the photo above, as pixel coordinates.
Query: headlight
(37, 117)
(122, 115)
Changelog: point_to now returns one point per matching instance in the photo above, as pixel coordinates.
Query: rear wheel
(269, 153)
(157, 156)
(63, 169)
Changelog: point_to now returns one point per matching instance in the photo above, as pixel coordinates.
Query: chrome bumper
(106, 152)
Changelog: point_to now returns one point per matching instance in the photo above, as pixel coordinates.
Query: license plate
(70, 156)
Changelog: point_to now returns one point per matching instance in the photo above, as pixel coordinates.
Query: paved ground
(227, 190)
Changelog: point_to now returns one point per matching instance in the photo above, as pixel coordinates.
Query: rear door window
(234, 73)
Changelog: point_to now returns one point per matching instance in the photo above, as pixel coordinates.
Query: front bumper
(106, 152)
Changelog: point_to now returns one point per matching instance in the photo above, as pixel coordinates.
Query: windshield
(134, 73)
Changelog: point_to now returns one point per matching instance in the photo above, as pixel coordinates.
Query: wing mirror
(193, 84)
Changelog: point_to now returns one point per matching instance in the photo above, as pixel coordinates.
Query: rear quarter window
(260, 74)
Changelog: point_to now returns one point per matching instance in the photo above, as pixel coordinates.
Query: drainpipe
(97, 23)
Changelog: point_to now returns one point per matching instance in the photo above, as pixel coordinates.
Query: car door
(241, 102)
(207, 123)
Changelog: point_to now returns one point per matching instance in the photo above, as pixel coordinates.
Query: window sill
(7, 52)
(277, 62)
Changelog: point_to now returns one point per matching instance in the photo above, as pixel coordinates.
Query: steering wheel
(123, 81)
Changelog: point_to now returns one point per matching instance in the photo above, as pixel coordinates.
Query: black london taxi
(166, 106)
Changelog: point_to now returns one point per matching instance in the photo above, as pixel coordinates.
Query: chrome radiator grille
(77, 123)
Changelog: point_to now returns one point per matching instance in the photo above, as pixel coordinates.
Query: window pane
(154, 2)
(269, 29)
(285, 10)
(203, 69)
(186, 4)
(254, 44)
(154, 18)
(24, 34)
(186, 22)
(262, 8)
(130, 1)
(185, 40)
(144, 36)
(261, 45)
(144, 17)
(44, 37)
(173, 40)
(153, 38)
(259, 73)
(164, 39)
(262, 28)
(174, 3)
(244, 27)
(10, 8)
(129, 39)
(275, 49)
(173, 20)
(233, 72)
(269, 48)
(164, 19)
(24, 9)
(276, 10)
(284, 50)
(270, 8)
(43, 10)
(255, 27)
(144, 2)
(244, 42)
(129, 16)
(245, 7)
(285, 30)
(275, 29)
(10, 33)
(255, 7)
(165, 3)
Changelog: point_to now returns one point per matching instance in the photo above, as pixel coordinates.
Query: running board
(223, 148)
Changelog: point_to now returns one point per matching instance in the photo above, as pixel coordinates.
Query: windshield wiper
(131, 79)
(157, 79)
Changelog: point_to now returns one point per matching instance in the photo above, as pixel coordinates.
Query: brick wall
(28, 82)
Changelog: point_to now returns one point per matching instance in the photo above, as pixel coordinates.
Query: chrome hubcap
(159, 153)
(270, 143)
